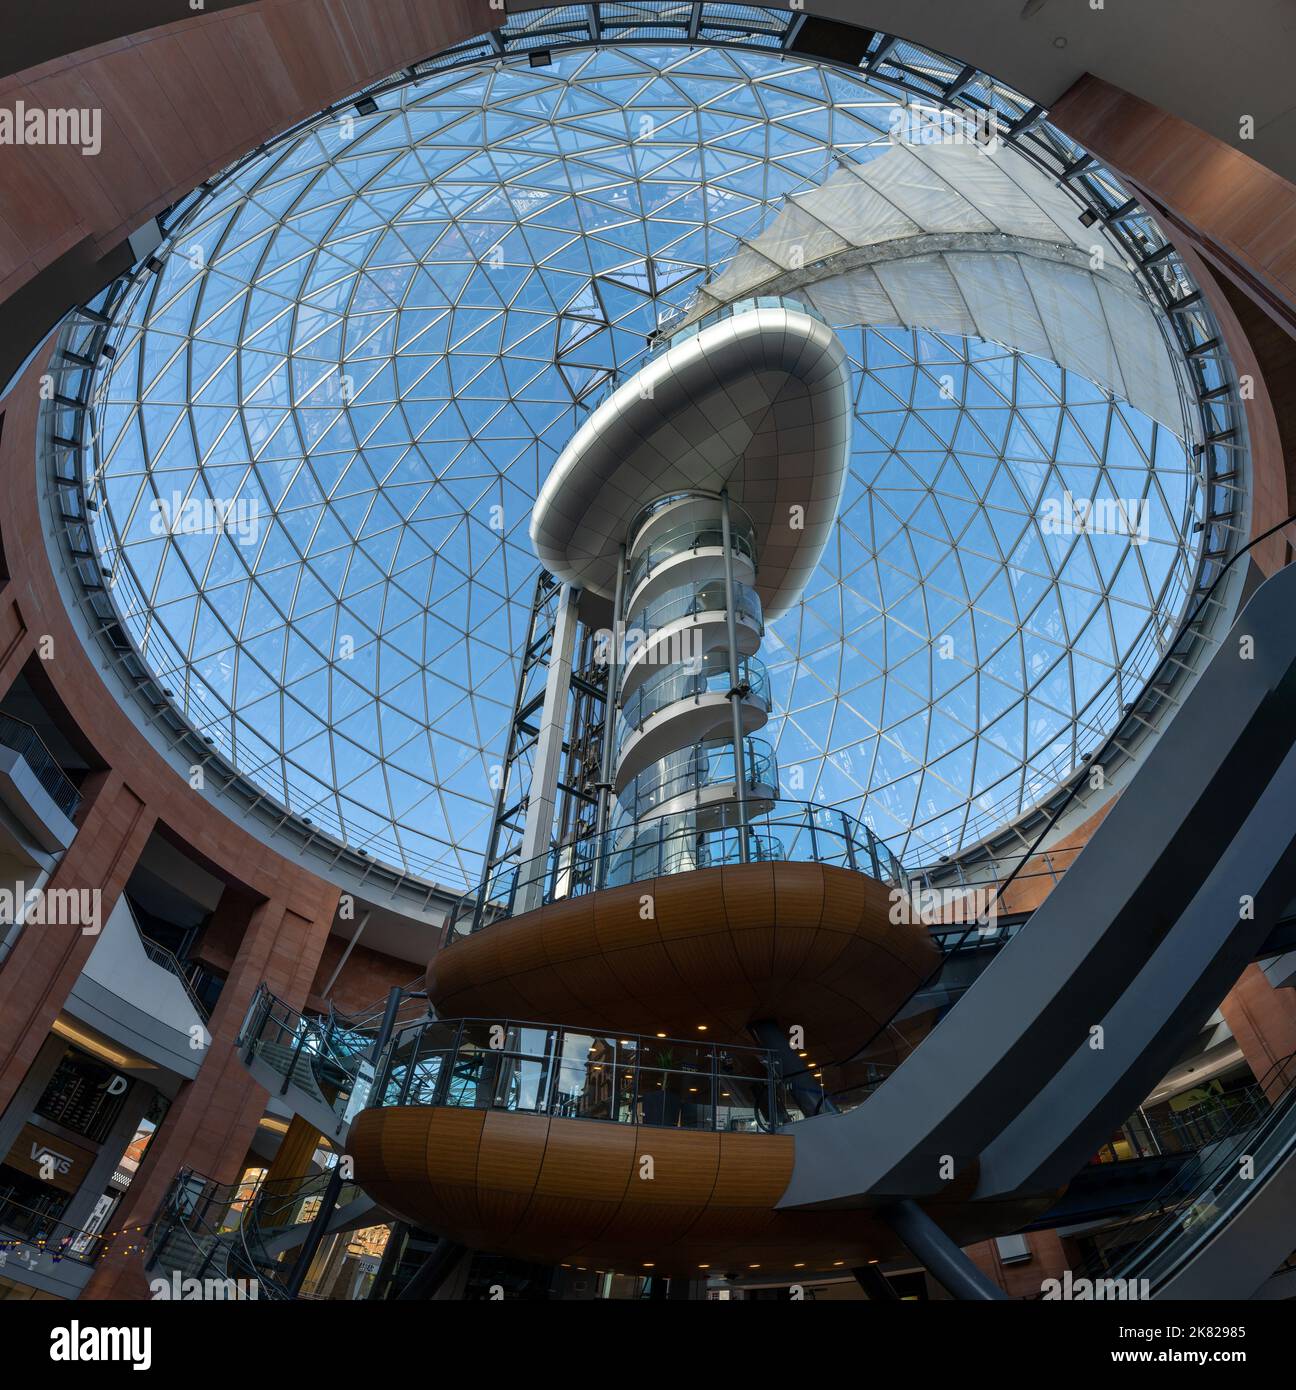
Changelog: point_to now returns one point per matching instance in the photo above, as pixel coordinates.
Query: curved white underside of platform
(952, 239)
(759, 404)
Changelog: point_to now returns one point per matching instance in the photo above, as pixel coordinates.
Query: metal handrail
(708, 763)
(1215, 1167)
(328, 1041)
(169, 962)
(685, 536)
(23, 739)
(56, 1247)
(1187, 1131)
(691, 600)
(370, 1017)
(672, 685)
(739, 306)
(185, 1209)
(680, 841)
(309, 1038)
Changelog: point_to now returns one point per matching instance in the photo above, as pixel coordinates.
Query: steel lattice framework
(376, 335)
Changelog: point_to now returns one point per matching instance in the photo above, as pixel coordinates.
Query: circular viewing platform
(526, 1139)
(702, 836)
(756, 401)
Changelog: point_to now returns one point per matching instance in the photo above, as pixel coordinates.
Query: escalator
(1088, 1004)
(1079, 1012)
(1225, 1221)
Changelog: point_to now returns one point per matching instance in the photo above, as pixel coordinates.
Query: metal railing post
(735, 699)
(314, 1236)
(386, 1027)
(409, 1066)
(850, 842)
(297, 1051)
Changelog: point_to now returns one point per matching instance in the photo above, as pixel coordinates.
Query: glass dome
(331, 407)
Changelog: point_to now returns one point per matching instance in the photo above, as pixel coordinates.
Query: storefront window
(83, 1095)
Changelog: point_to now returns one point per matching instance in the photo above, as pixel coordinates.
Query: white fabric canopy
(958, 239)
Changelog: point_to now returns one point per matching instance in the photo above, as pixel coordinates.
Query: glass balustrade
(670, 686)
(684, 536)
(692, 770)
(583, 1074)
(691, 601)
(738, 306)
(700, 837)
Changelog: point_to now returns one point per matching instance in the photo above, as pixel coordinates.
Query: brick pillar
(113, 826)
(214, 1118)
(1263, 1020)
(16, 643)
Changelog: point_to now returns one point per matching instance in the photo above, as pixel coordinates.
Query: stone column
(212, 1121)
(38, 974)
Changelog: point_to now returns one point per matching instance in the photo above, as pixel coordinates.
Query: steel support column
(610, 706)
(542, 796)
(943, 1260)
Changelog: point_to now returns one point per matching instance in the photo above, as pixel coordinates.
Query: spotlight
(1088, 217)
(366, 106)
(540, 58)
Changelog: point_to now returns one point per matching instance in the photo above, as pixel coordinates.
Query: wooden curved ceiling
(804, 944)
(572, 1191)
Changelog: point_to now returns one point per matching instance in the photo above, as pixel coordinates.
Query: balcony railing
(29, 1231)
(691, 601)
(568, 1073)
(169, 962)
(734, 308)
(701, 837)
(686, 536)
(18, 735)
(692, 770)
(236, 1230)
(670, 686)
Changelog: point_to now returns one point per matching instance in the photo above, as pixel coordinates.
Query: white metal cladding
(962, 239)
(758, 404)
